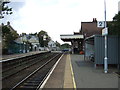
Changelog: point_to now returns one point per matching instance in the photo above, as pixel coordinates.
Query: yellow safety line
(74, 84)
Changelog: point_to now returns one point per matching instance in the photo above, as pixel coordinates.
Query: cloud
(58, 16)
(16, 5)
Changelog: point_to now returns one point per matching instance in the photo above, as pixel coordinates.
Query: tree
(8, 37)
(65, 46)
(35, 34)
(42, 42)
(4, 9)
(114, 26)
(57, 44)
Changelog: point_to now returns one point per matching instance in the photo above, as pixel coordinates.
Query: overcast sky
(57, 16)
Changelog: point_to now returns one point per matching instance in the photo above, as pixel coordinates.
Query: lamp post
(105, 58)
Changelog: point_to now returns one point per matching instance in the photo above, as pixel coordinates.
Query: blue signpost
(106, 33)
(103, 24)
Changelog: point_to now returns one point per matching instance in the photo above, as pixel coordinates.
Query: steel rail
(23, 61)
(22, 69)
(33, 73)
(43, 82)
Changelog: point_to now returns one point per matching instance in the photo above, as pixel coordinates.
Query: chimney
(8, 23)
(2, 24)
(94, 20)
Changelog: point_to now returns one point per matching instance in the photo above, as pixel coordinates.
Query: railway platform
(74, 72)
(62, 76)
(4, 57)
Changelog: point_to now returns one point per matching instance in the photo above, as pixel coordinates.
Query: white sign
(105, 31)
(100, 24)
(44, 37)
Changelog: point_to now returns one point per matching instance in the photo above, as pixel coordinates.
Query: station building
(78, 38)
(91, 41)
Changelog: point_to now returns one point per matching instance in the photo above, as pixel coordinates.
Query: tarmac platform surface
(62, 76)
(73, 72)
(86, 76)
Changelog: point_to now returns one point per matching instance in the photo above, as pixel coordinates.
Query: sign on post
(44, 37)
(105, 31)
(101, 24)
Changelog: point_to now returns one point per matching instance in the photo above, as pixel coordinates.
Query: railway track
(33, 77)
(6, 73)
(15, 62)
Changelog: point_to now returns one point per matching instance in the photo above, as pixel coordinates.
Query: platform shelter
(76, 41)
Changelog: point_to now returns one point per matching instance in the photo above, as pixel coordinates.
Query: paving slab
(62, 76)
(56, 79)
(86, 76)
(68, 76)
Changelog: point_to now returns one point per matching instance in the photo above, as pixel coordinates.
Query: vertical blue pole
(105, 58)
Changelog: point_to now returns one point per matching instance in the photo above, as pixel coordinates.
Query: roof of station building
(69, 37)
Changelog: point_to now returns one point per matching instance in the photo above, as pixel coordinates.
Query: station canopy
(69, 38)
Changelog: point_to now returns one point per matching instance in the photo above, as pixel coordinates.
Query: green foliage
(35, 34)
(65, 46)
(23, 34)
(8, 36)
(114, 26)
(42, 42)
(4, 9)
(57, 44)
